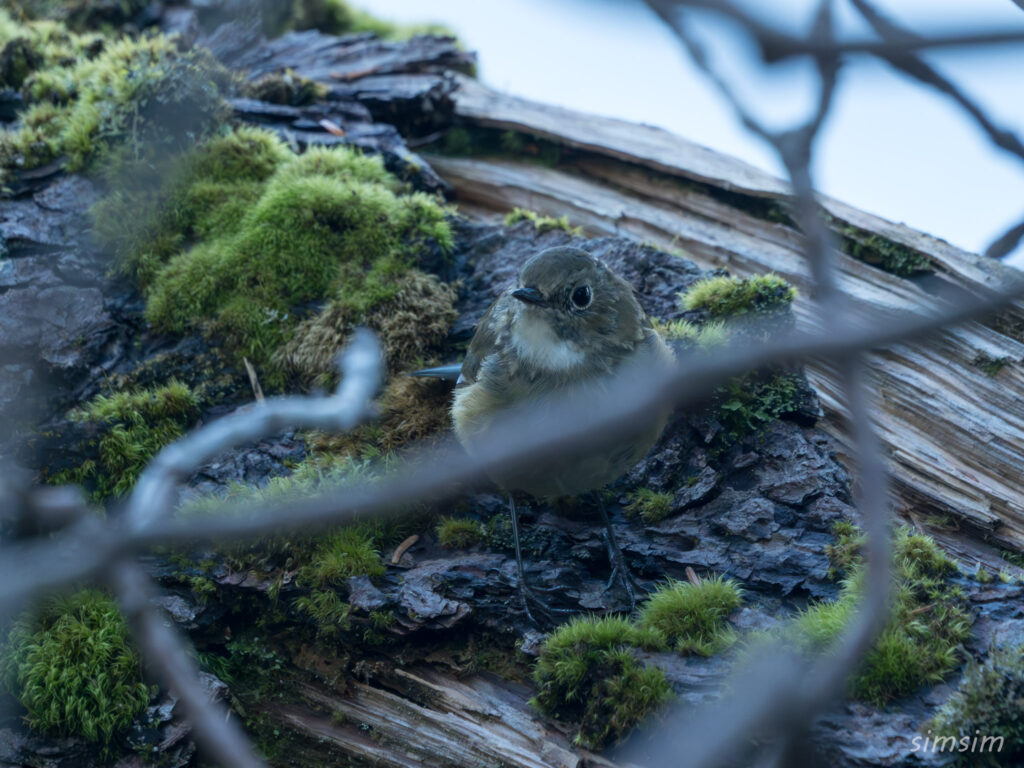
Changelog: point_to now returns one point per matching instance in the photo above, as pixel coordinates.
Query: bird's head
(582, 301)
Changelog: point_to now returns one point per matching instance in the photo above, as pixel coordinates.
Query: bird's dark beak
(529, 296)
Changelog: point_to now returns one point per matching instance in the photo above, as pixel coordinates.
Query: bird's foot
(622, 575)
(539, 612)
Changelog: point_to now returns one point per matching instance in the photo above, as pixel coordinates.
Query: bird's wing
(484, 341)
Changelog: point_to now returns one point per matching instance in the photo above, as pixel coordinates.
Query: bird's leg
(528, 596)
(615, 556)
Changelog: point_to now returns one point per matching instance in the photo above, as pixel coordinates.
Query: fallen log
(947, 410)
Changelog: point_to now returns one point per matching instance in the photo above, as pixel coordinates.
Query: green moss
(498, 535)
(72, 666)
(707, 336)
(588, 672)
(337, 17)
(541, 223)
(916, 550)
(845, 552)
(747, 404)
(693, 616)
(84, 14)
(982, 575)
(35, 143)
(153, 214)
(1013, 558)
(295, 552)
(755, 308)
(921, 641)
(459, 532)
(285, 88)
(137, 100)
(327, 609)
(412, 324)
(723, 297)
(376, 632)
(650, 506)
(31, 46)
(133, 427)
(883, 253)
(984, 713)
(461, 141)
(989, 365)
(342, 555)
(330, 224)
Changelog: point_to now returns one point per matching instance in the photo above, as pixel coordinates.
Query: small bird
(568, 322)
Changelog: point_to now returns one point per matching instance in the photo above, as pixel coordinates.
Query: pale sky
(890, 146)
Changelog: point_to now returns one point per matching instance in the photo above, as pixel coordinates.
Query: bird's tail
(446, 372)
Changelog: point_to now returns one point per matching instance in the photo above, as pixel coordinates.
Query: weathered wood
(954, 436)
(431, 718)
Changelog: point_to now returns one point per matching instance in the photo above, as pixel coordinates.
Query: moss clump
(706, 336)
(460, 141)
(845, 552)
(133, 426)
(327, 609)
(650, 506)
(412, 410)
(756, 308)
(983, 717)
(747, 404)
(329, 224)
(84, 14)
(729, 297)
(885, 254)
(541, 223)
(341, 555)
(989, 365)
(1013, 558)
(337, 17)
(157, 212)
(928, 624)
(693, 616)
(285, 88)
(72, 666)
(459, 532)
(588, 672)
(412, 323)
(30, 46)
(533, 540)
(137, 99)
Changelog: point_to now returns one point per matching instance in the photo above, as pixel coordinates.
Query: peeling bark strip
(948, 410)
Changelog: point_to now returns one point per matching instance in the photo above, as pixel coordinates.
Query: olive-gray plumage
(569, 321)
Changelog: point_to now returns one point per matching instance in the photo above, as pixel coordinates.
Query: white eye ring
(581, 297)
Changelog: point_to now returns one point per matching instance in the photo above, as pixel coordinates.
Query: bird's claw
(540, 608)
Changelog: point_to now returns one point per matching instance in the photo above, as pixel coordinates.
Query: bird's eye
(581, 297)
